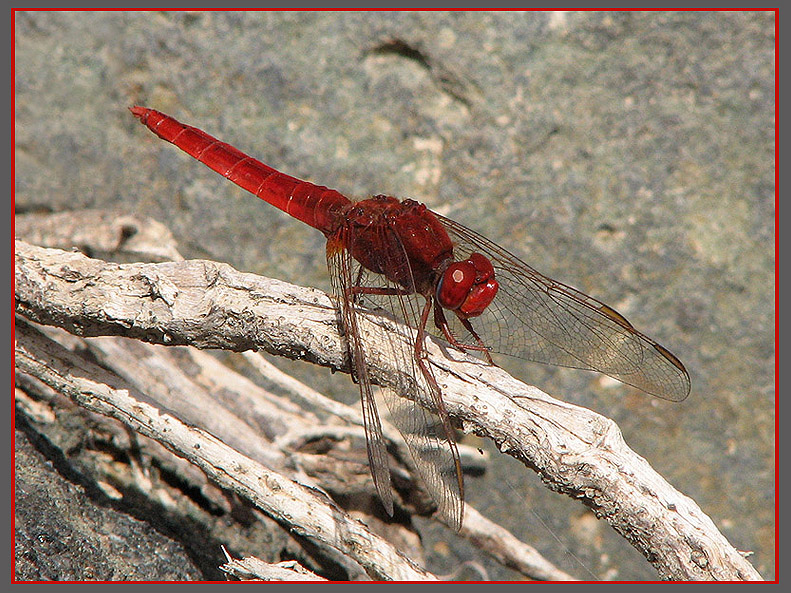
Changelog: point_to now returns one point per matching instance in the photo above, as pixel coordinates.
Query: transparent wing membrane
(540, 319)
(425, 428)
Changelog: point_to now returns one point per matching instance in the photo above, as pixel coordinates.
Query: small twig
(301, 392)
(251, 568)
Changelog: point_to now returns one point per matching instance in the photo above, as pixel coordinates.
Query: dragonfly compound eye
(468, 287)
(455, 284)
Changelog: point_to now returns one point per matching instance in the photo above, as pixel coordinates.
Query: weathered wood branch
(272, 430)
(210, 305)
(296, 506)
(100, 233)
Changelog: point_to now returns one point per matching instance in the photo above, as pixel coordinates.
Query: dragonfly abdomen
(315, 205)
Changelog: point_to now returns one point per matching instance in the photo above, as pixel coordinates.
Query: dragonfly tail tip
(138, 111)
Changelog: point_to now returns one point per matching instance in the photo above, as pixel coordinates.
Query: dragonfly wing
(417, 410)
(540, 319)
(340, 264)
(410, 390)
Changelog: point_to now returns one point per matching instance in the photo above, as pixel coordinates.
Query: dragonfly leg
(481, 346)
(354, 290)
(442, 324)
(436, 392)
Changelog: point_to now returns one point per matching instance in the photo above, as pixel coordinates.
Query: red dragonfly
(414, 262)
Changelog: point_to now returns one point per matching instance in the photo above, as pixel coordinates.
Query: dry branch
(274, 431)
(211, 305)
(297, 507)
(99, 233)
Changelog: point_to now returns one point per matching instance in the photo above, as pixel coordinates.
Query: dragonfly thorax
(403, 240)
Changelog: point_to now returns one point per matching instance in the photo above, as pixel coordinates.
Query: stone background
(628, 154)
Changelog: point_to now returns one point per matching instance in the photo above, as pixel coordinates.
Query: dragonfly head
(467, 287)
